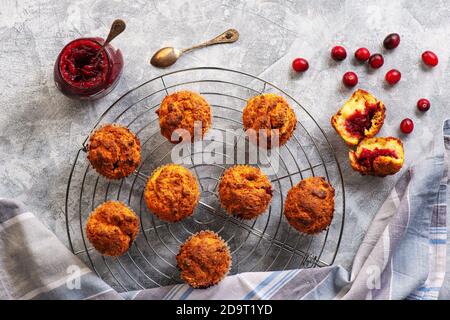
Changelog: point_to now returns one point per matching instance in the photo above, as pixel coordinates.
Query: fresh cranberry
(393, 76)
(300, 65)
(338, 53)
(423, 104)
(350, 79)
(362, 54)
(430, 58)
(407, 125)
(391, 41)
(376, 61)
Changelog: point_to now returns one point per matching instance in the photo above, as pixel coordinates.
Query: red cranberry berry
(430, 58)
(393, 76)
(300, 65)
(376, 61)
(350, 79)
(338, 53)
(423, 104)
(391, 41)
(362, 54)
(407, 125)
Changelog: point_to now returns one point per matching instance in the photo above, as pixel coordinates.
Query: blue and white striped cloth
(403, 255)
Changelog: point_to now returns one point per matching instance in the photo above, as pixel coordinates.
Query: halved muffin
(361, 117)
(378, 156)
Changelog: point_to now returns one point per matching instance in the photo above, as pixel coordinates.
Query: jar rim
(108, 58)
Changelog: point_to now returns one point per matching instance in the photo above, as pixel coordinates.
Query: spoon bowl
(165, 57)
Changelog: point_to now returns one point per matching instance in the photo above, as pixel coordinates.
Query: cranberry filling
(81, 67)
(358, 122)
(367, 157)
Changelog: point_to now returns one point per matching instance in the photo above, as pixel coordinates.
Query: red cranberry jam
(358, 122)
(83, 71)
(367, 157)
(80, 65)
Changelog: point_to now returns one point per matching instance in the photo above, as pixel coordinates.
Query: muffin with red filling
(378, 156)
(361, 117)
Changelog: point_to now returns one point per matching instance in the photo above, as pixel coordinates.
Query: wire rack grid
(265, 243)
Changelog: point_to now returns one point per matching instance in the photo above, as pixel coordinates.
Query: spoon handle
(117, 27)
(229, 36)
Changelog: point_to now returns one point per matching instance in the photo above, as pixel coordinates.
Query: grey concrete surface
(41, 130)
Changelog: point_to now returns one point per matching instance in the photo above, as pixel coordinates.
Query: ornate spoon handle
(229, 36)
(117, 27)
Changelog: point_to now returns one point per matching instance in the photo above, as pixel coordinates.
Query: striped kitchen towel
(34, 264)
(403, 255)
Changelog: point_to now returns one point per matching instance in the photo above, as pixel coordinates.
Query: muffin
(309, 205)
(204, 259)
(114, 151)
(172, 192)
(244, 191)
(361, 117)
(269, 115)
(183, 110)
(112, 228)
(378, 156)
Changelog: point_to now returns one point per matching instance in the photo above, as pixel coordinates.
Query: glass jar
(81, 72)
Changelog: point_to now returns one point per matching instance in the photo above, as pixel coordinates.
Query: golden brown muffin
(269, 114)
(172, 192)
(181, 110)
(204, 259)
(378, 156)
(245, 191)
(309, 205)
(361, 117)
(114, 151)
(112, 228)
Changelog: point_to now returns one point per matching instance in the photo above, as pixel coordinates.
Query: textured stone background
(40, 129)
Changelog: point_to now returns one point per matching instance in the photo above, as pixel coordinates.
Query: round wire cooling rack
(265, 243)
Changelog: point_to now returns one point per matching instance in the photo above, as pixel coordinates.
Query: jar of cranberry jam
(82, 72)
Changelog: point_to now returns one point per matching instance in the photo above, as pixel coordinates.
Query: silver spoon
(167, 56)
